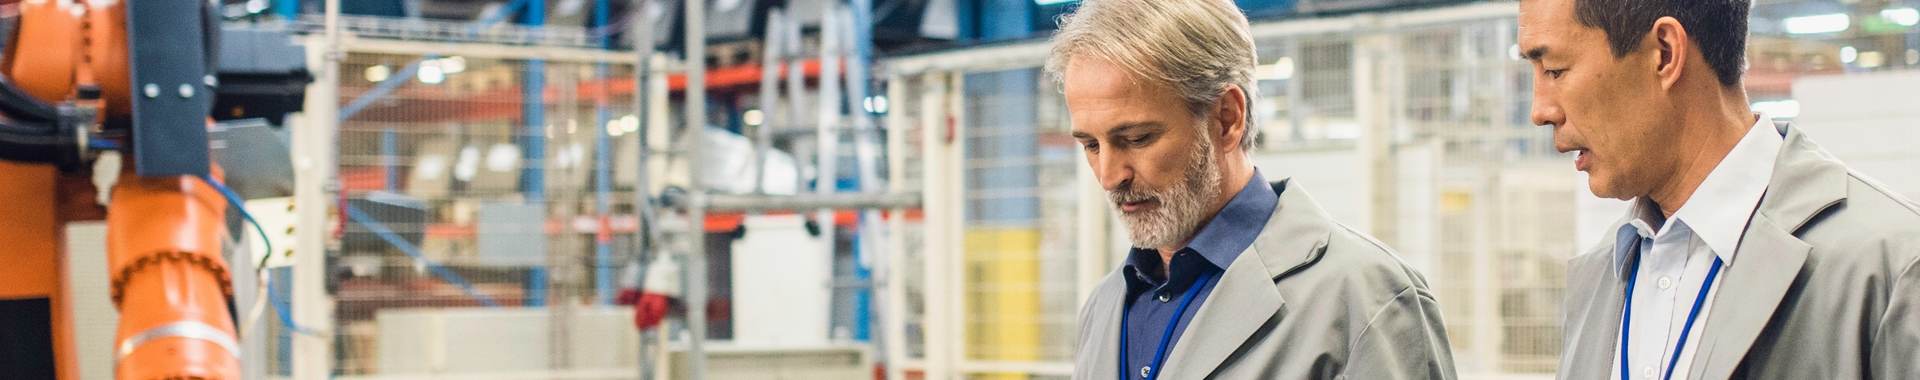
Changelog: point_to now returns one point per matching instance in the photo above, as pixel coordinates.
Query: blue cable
(103, 144)
(240, 205)
(280, 305)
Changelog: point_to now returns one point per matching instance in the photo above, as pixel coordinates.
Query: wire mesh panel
(482, 228)
(1018, 285)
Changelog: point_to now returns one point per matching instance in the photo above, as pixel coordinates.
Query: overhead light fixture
(431, 74)
(615, 128)
(1901, 16)
(452, 65)
(875, 104)
(753, 117)
(1817, 24)
(1054, 2)
(378, 73)
(1849, 54)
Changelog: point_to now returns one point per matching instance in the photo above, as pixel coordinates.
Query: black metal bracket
(172, 88)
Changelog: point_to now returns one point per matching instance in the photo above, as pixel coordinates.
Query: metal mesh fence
(480, 183)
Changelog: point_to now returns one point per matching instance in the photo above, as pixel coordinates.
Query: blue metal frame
(603, 273)
(393, 239)
(390, 158)
(383, 89)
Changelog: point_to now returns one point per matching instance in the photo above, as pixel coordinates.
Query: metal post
(866, 152)
(893, 318)
(696, 114)
(603, 263)
(313, 158)
(828, 154)
(772, 55)
(642, 201)
(936, 148)
(533, 114)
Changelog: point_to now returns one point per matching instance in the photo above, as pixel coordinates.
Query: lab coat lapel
(1245, 298)
(1592, 350)
(1105, 319)
(1805, 182)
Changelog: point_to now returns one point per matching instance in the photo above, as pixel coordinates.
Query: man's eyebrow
(1151, 126)
(1535, 53)
(1081, 135)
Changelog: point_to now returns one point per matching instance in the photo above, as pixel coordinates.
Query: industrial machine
(135, 78)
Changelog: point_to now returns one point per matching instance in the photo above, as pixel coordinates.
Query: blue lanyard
(1160, 352)
(1626, 319)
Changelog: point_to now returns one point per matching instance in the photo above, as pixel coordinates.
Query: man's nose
(1113, 171)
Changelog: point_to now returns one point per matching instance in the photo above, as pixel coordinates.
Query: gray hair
(1196, 47)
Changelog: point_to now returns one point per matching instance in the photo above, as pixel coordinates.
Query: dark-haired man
(1750, 252)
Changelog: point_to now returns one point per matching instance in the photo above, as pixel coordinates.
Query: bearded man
(1231, 276)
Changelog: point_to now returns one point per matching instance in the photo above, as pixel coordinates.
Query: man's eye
(1090, 146)
(1556, 73)
(1139, 140)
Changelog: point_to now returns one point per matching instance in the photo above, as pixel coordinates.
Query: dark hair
(1718, 27)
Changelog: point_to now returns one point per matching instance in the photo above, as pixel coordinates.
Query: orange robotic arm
(169, 279)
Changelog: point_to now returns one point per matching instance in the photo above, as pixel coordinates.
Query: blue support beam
(393, 239)
(534, 113)
(603, 271)
(383, 89)
(390, 158)
(533, 139)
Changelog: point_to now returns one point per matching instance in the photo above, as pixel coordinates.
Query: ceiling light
(1817, 24)
(378, 73)
(753, 117)
(431, 74)
(1902, 16)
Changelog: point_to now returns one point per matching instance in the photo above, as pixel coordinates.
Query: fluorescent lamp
(378, 73)
(431, 74)
(1902, 16)
(1817, 24)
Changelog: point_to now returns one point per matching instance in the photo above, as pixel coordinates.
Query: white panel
(781, 278)
(94, 318)
(1869, 121)
(494, 340)
(1418, 231)
(1329, 176)
(1593, 216)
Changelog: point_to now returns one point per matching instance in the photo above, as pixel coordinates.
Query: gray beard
(1181, 205)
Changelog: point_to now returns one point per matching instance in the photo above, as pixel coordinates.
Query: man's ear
(1670, 41)
(1230, 113)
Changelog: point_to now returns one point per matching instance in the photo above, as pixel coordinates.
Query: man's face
(1612, 111)
(1146, 149)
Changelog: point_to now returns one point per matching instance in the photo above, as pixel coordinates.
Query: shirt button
(1144, 371)
(1647, 373)
(1666, 282)
(1162, 297)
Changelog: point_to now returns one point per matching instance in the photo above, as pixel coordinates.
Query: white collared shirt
(1675, 258)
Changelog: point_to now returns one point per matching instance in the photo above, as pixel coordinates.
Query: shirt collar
(1718, 210)
(1230, 232)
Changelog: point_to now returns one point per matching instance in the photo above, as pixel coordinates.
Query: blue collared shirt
(1152, 300)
